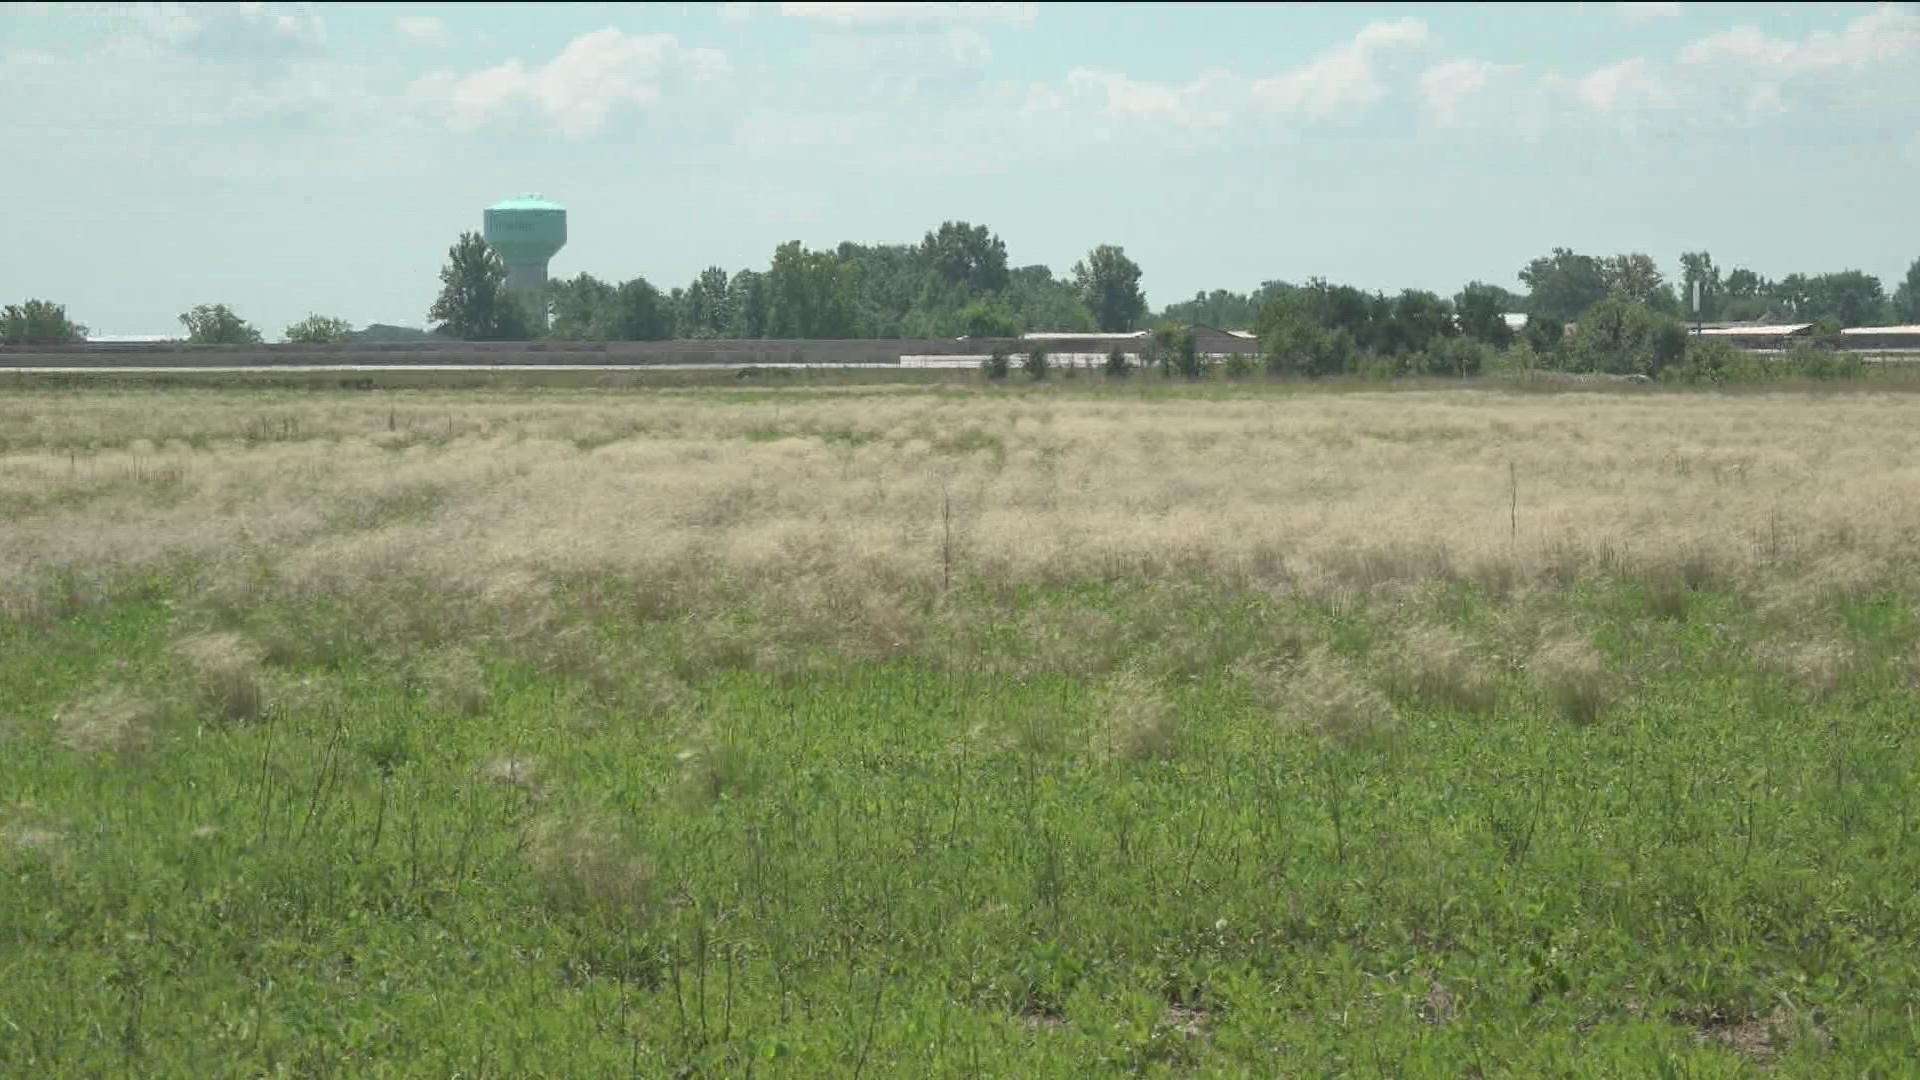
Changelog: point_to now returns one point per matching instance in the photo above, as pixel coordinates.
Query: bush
(319, 330)
(996, 365)
(1118, 366)
(1620, 337)
(1543, 334)
(216, 324)
(1239, 366)
(1186, 356)
(1036, 364)
(39, 322)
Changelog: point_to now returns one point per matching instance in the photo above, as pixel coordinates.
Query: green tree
(1563, 284)
(637, 312)
(967, 256)
(747, 304)
(1906, 298)
(1038, 302)
(216, 324)
(1544, 335)
(704, 309)
(581, 306)
(1696, 268)
(1109, 285)
(474, 304)
(39, 322)
(987, 319)
(1186, 355)
(1853, 297)
(810, 294)
(1621, 337)
(1481, 310)
(319, 330)
(1219, 309)
(1637, 278)
(1418, 319)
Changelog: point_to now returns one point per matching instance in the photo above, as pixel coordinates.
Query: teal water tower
(526, 231)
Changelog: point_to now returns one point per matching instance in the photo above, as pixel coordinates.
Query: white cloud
(577, 89)
(1643, 12)
(734, 12)
(1627, 85)
(232, 31)
(422, 28)
(1448, 90)
(1884, 34)
(893, 15)
(1348, 76)
(1345, 77)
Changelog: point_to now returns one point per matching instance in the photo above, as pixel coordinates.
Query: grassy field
(935, 730)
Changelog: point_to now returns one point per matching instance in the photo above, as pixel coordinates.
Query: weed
(1571, 675)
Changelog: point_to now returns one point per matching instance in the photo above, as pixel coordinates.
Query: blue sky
(293, 158)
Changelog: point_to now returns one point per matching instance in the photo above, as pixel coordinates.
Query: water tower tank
(526, 232)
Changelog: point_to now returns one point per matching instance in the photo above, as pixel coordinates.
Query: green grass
(687, 861)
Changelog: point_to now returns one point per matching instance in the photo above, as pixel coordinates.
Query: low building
(1881, 338)
(1755, 336)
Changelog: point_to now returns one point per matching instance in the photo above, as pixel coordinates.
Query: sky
(292, 159)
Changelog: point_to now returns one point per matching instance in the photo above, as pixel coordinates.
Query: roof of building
(1248, 334)
(1784, 330)
(526, 202)
(1910, 329)
(1050, 335)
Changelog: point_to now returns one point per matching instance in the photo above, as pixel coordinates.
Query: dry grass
(1571, 676)
(1819, 668)
(454, 682)
(715, 766)
(840, 495)
(225, 669)
(1329, 698)
(1138, 721)
(28, 835)
(519, 772)
(585, 862)
(114, 721)
(1438, 665)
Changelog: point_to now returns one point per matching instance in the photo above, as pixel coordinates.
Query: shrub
(1118, 366)
(1239, 366)
(996, 365)
(1186, 356)
(39, 322)
(1036, 364)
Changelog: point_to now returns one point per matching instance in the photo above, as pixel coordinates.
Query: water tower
(527, 232)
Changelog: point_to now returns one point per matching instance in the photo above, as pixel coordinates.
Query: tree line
(958, 281)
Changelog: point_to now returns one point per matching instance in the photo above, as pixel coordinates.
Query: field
(943, 730)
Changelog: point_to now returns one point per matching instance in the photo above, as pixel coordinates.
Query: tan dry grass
(115, 721)
(487, 499)
(1439, 665)
(1571, 676)
(225, 669)
(585, 862)
(1137, 722)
